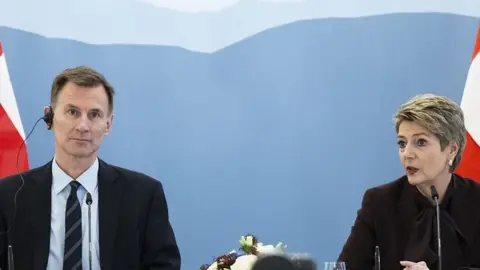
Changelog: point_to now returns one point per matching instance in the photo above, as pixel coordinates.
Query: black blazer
(135, 232)
(391, 217)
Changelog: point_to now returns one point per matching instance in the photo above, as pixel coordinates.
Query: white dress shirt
(60, 193)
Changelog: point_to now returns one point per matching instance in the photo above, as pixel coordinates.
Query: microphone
(89, 203)
(377, 258)
(11, 265)
(436, 198)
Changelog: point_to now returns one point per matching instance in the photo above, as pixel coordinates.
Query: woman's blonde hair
(438, 115)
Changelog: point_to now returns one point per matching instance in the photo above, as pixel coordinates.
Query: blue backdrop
(277, 134)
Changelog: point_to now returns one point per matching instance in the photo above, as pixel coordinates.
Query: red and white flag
(11, 128)
(470, 164)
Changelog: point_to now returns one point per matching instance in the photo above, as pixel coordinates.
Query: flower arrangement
(248, 253)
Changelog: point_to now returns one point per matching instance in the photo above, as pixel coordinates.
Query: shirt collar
(87, 179)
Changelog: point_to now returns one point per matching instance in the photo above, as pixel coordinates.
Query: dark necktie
(73, 231)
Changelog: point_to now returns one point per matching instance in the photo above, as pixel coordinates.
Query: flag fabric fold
(470, 164)
(11, 128)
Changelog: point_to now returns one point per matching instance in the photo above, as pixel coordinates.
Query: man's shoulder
(15, 180)
(133, 176)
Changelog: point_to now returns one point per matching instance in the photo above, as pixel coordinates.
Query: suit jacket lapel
(110, 191)
(37, 213)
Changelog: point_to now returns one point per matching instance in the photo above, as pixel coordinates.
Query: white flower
(252, 249)
(244, 262)
(213, 266)
(270, 249)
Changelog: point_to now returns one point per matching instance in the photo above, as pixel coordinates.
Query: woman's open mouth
(411, 170)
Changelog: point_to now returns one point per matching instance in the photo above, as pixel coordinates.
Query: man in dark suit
(48, 226)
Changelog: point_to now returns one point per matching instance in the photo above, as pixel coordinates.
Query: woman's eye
(421, 142)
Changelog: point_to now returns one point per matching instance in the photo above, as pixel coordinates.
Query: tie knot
(74, 185)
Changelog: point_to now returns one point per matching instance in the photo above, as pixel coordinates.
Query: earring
(450, 162)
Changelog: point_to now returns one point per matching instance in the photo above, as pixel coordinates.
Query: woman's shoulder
(389, 188)
(389, 192)
(466, 183)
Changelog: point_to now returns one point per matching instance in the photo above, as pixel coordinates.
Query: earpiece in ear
(48, 118)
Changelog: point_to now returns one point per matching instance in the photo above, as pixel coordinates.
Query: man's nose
(83, 123)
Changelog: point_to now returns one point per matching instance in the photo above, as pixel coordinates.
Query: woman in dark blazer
(400, 218)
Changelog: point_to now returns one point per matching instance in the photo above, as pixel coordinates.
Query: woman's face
(421, 154)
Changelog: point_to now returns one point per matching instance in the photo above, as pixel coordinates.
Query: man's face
(81, 119)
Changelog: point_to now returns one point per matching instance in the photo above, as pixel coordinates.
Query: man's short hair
(82, 76)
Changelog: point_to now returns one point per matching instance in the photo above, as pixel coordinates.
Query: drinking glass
(335, 266)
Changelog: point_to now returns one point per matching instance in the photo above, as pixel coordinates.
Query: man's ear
(108, 127)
